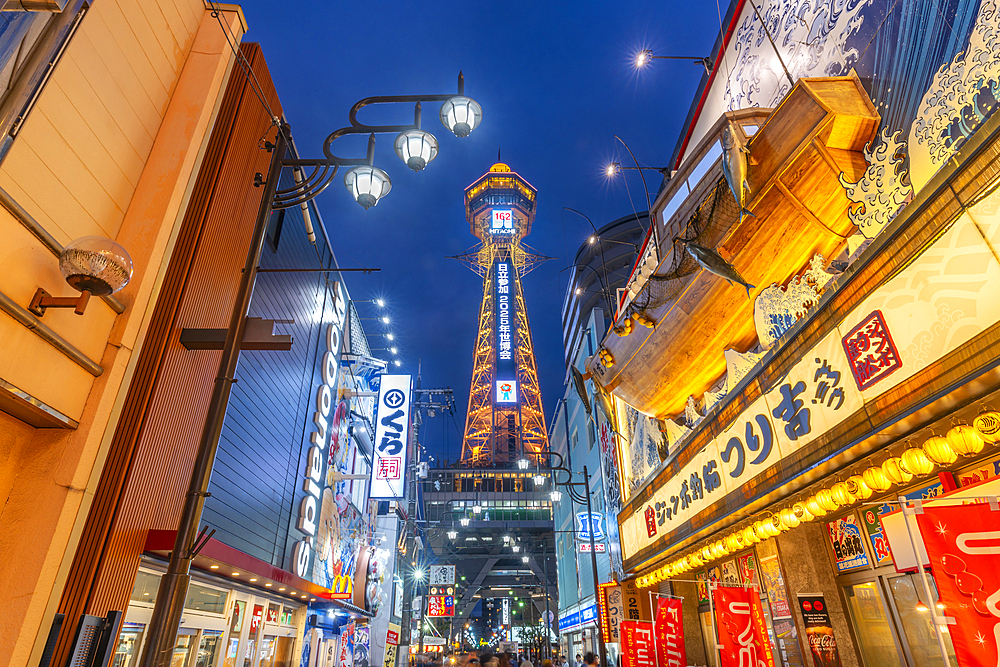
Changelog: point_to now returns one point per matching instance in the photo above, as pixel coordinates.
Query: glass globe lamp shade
(555, 496)
(452, 534)
(896, 473)
(876, 480)
(522, 464)
(939, 451)
(461, 115)
(416, 148)
(477, 509)
(857, 487)
(464, 521)
(916, 462)
(965, 440)
(96, 265)
(367, 184)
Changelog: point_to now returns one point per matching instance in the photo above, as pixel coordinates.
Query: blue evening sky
(556, 83)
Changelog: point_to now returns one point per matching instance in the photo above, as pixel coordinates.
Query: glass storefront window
(917, 625)
(208, 649)
(203, 598)
(266, 654)
(871, 626)
(234, 645)
(146, 585)
(127, 651)
(182, 649)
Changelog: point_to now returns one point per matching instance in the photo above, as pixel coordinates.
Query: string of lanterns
(961, 440)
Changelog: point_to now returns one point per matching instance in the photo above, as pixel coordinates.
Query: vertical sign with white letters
(506, 375)
(392, 429)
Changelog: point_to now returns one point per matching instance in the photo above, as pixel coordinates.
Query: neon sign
(503, 222)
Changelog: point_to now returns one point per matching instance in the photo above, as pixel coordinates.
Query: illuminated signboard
(392, 428)
(503, 222)
(506, 391)
(440, 605)
(588, 523)
(312, 480)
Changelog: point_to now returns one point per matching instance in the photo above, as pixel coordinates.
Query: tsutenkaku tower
(505, 420)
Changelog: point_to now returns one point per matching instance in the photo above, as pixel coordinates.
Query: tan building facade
(109, 147)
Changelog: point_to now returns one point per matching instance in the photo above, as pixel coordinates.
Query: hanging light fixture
(916, 462)
(515, 548)
(939, 451)
(842, 495)
(826, 500)
(876, 480)
(452, 534)
(802, 512)
(706, 554)
(749, 536)
(461, 115)
(555, 495)
(367, 184)
(523, 464)
(896, 473)
(857, 487)
(965, 440)
(987, 424)
(814, 508)
(539, 479)
(477, 508)
(416, 148)
(464, 521)
(788, 518)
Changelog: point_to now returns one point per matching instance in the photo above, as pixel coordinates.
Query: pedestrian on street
(579, 661)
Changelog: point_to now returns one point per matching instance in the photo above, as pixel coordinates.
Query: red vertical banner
(963, 545)
(638, 648)
(669, 631)
(742, 630)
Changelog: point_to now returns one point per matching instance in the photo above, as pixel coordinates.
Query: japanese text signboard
(870, 351)
(845, 537)
(638, 647)
(506, 370)
(440, 605)
(963, 545)
(813, 397)
(668, 629)
(615, 610)
(392, 430)
(739, 621)
(441, 575)
(819, 631)
(876, 536)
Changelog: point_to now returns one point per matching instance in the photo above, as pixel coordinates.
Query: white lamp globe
(416, 148)
(461, 115)
(367, 184)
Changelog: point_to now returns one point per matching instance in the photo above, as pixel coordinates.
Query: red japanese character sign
(741, 628)
(669, 632)
(390, 468)
(870, 351)
(963, 544)
(650, 521)
(638, 647)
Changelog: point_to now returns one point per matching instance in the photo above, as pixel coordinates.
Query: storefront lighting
(523, 464)
(706, 554)
(452, 534)
(254, 579)
(812, 504)
(281, 589)
(895, 472)
(842, 495)
(788, 518)
(801, 512)
(267, 585)
(539, 480)
(987, 424)
(876, 480)
(916, 462)
(731, 543)
(555, 496)
(965, 440)
(939, 605)
(464, 521)
(921, 606)
(826, 500)
(858, 488)
(367, 184)
(749, 537)
(477, 509)
(939, 451)
(214, 567)
(236, 574)
(92, 265)
(760, 530)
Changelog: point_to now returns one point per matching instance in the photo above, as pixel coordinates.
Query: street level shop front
(882, 397)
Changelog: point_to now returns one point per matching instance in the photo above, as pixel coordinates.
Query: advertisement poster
(730, 574)
(819, 631)
(638, 647)
(742, 630)
(774, 586)
(845, 536)
(876, 536)
(747, 566)
(362, 646)
(963, 544)
(787, 636)
(440, 605)
(636, 608)
(702, 580)
(668, 631)
(345, 656)
(272, 613)
(615, 605)
(256, 619)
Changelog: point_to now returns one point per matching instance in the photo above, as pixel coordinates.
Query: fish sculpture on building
(711, 261)
(735, 168)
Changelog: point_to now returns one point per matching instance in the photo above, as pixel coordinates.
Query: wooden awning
(817, 132)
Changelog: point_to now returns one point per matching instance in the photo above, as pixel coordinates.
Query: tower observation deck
(505, 420)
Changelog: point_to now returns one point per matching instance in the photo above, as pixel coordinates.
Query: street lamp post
(366, 183)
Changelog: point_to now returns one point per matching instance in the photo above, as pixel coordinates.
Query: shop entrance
(889, 629)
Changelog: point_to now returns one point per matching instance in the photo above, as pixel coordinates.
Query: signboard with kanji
(441, 575)
(440, 605)
(392, 430)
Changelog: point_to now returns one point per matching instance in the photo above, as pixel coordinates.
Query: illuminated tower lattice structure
(505, 419)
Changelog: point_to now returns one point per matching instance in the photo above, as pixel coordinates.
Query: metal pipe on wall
(20, 314)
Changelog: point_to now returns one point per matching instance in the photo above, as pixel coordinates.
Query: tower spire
(505, 420)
